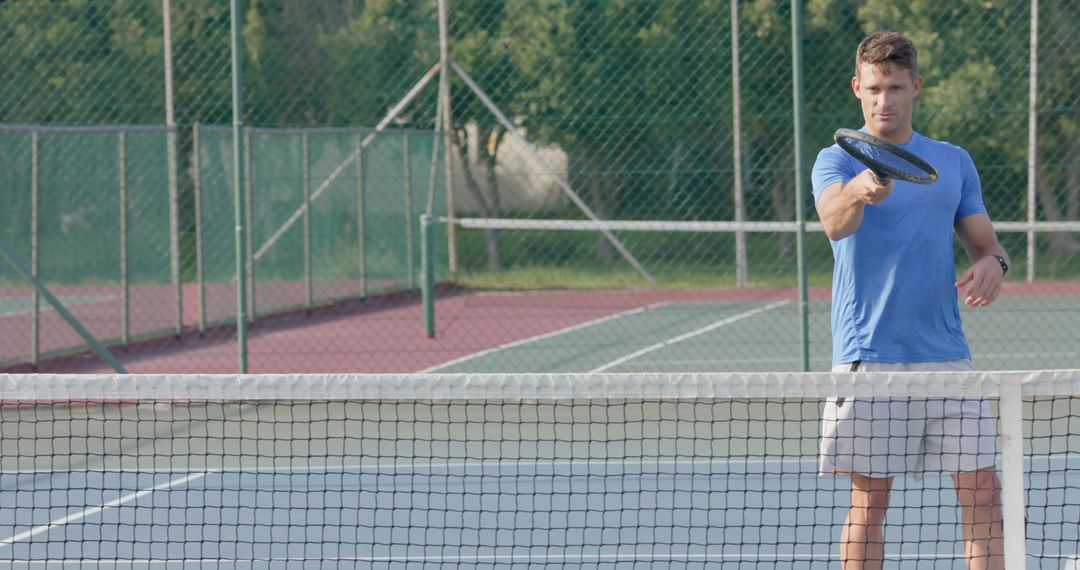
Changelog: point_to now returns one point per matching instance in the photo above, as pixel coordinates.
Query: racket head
(884, 158)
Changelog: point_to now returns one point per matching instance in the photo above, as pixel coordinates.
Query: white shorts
(885, 437)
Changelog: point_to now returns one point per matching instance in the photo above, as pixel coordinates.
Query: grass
(563, 277)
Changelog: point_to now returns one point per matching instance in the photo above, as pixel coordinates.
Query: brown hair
(886, 49)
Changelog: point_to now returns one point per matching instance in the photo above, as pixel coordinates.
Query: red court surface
(385, 334)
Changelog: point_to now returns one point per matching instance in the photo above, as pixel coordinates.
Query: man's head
(886, 83)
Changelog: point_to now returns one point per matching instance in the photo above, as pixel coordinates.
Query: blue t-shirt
(893, 296)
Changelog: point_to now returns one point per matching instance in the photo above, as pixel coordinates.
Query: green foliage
(637, 94)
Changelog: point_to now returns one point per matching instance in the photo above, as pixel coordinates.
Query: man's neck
(896, 137)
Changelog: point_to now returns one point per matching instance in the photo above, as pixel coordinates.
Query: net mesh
(466, 471)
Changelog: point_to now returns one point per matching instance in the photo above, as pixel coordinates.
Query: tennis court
(694, 335)
(597, 480)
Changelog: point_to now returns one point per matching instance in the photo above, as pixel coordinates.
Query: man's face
(887, 97)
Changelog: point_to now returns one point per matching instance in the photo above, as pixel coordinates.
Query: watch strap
(1004, 264)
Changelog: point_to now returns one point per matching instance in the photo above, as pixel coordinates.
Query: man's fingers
(980, 291)
(964, 280)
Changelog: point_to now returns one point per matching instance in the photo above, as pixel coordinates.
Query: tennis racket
(885, 159)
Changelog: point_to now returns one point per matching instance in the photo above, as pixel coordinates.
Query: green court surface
(764, 336)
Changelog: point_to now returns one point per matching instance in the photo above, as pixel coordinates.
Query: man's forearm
(840, 213)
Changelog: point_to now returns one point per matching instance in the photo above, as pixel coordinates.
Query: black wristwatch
(1004, 264)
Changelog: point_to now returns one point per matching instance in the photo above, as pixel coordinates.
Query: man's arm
(981, 283)
(840, 205)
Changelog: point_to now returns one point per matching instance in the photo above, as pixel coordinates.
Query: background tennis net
(495, 471)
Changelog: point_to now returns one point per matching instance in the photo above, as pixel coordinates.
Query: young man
(894, 308)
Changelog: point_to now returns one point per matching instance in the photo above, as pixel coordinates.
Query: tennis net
(499, 471)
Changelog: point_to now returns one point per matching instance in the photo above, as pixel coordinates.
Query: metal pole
(1033, 135)
(306, 170)
(125, 304)
(741, 269)
(35, 297)
(447, 126)
(361, 223)
(174, 194)
(433, 166)
(800, 207)
(238, 185)
(200, 277)
(427, 271)
(248, 219)
(410, 248)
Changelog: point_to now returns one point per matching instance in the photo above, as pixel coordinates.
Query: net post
(427, 270)
(1010, 411)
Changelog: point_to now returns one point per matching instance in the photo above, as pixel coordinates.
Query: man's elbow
(836, 232)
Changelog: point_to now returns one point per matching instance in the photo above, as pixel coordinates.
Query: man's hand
(981, 283)
(868, 188)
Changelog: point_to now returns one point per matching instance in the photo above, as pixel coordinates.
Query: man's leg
(862, 543)
(979, 495)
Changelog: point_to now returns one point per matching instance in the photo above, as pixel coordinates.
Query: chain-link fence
(118, 174)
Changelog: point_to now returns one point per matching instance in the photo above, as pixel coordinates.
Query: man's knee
(869, 500)
(978, 490)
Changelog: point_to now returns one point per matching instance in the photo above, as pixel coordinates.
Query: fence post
(427, 271)
(1033, 136)
(741, 264)
(35, 297)
(200, 277)
(306, 169)
(410, 248)
(125, 303)
(800, 193)
(447, 132)
(361, 225)
(174, 195)
(249, 216)
(238, 179)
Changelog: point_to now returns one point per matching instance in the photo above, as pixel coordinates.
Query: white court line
(578, 326)
(94, 510)
(680, 338)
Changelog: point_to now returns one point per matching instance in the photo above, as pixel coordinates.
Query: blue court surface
(494, 514)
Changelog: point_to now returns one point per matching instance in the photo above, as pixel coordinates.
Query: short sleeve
(971, 198)
(832, 166)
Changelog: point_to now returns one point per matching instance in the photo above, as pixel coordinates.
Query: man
(895, 309)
